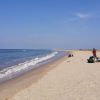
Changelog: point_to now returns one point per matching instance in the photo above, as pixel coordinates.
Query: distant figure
(70, 55)
(94, 53)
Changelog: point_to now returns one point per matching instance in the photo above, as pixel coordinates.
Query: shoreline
(19, 69)
(8, 88)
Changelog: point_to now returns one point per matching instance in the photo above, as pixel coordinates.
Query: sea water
(14, 62)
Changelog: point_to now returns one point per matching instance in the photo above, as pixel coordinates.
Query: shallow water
(14, 62)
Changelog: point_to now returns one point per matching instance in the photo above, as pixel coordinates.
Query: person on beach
(94, 53)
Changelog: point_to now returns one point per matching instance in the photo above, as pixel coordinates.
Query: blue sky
(64, 24)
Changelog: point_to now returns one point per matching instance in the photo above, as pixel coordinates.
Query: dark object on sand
(70, 55)
(91, 59)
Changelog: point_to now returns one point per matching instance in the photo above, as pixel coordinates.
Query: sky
(50, 24)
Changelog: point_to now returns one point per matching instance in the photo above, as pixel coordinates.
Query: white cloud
(83, 15)
(80, 16)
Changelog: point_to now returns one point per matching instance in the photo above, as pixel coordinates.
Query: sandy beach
(65, 79)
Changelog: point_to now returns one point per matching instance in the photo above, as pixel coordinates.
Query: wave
(10, 72)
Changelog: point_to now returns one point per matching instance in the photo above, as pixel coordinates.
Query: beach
(64, 79)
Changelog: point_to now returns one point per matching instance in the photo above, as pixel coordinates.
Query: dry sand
(66, 79)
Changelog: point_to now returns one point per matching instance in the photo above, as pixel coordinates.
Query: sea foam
(11, 72)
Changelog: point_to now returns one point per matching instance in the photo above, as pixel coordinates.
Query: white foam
(8, 72)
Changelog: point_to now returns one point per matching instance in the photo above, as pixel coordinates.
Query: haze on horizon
(63, 24)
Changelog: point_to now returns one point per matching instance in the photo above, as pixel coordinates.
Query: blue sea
(15, 62)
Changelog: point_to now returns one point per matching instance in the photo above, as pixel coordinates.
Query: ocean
(15, 62)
